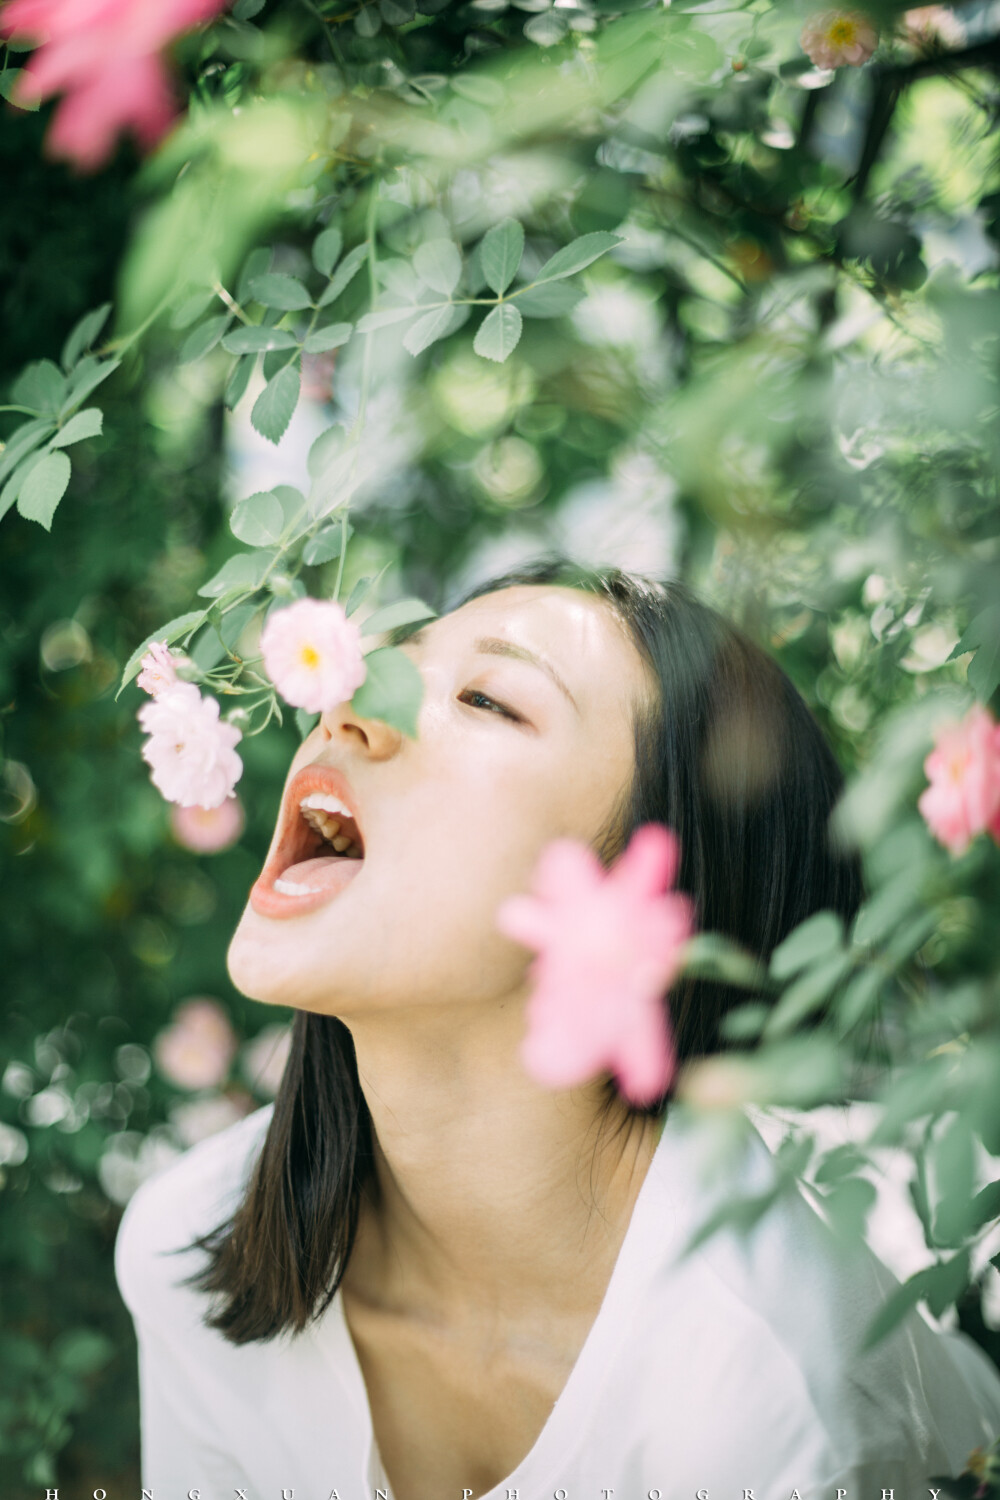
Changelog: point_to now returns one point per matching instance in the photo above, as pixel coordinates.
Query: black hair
(728, 755)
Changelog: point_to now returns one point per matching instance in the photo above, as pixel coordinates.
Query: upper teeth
(325, 803)
(317, 809)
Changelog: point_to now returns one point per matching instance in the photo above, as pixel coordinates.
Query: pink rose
(189, 748)
(963, 798)
(196, 1050)
(609, 944)
(208, 830)
(312, 654)
(158, 669)
(839, 38)
(104, 57)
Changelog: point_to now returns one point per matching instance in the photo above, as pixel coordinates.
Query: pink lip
(293, 845)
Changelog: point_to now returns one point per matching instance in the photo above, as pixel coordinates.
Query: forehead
(578, 633)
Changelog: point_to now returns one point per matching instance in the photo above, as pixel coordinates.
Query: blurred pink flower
(195, 1120)
(839, 38)
(195, 1051)
(609, 945)
(208, 830)
(263, 1059)
(312, 654)
(104, 57)
(190, 749)
(159, 669)
(930, 26)
(963, 798)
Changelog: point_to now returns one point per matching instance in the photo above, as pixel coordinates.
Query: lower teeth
(292, 888)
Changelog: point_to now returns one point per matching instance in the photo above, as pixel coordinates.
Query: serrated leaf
(807, 994)
(40, 386)
(245, 10)
(326, 249)
(203, 339)
(983, 637)
(384, 317)
(361, 590)
(305, 723)
(86, 424)
(9, 82)
(273, 409)
(245, 570)
(392, 691)
(29, 435)
(552, 300)
(293, 504)
(326, 544)
(500, 254)
(427, 330)
(12, 488)
(172, 631)
(258, 340)
(345, 273)
(499, 333)
(236, 386)
(402, 612)
(438, 263)
(257, 263)
(276, 289)
(43, 488)
(83, 334)
(191, 309)
(546, 29)
(814, 938)
(86, 377)
(581, 252)
(938, 1285)
(258, 520)
(325, 339)
(234, 622)
(368, 22)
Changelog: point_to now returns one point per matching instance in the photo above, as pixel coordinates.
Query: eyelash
(505, 712)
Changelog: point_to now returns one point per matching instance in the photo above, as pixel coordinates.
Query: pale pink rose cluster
(190, 749)
(609, 944)
(312, 654)
(105, 58)
(839, 38)
(963, 798)
(197, 1049)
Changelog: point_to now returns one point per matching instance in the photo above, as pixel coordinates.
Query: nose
(373, 737)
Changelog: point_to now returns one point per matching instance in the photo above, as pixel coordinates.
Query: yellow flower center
(843, 32)
(309, 656)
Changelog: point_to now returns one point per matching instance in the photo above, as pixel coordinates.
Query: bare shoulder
(187, 1198)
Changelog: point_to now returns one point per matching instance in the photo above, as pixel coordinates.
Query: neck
(488, 1187)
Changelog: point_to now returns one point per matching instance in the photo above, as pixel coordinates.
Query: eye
(490, 704)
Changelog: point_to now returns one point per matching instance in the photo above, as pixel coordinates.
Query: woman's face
(524, 735)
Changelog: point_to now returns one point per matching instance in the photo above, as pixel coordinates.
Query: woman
(418, 1273)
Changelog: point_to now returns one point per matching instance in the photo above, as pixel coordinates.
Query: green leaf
(258, 520)
(580, 253)
(368, 22)
(814, 938)
(258, 263)
(326, 250)
(81, 1351)
(29, 435)
(546, 29)
(397, 12)
(12, 488)
(43, 488)
(500, 254)
(478, 88)
(326, 544)
(245, 570)
(8, 89)
(86, 377)
(327, 338)
(305, 723)
(272, 411)
(392, 690)
(391, 616)
(939, 1286)
(83, 334)
(86, 424)
(361, 589)
(344, 274)
(428, 329)
(807, 994)
(245, 10)
(438, 263)
(234, 622)
(275, 289)
(384, 317)
(983, 637)
(499, 332)
(172, 631)
(191, 309)
(552, 300)
(41, 386)
(257, 339)
(985, 1205)
(201, 340)
(293, 503)
(236, 387)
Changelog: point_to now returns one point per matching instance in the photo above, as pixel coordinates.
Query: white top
(735, 1368)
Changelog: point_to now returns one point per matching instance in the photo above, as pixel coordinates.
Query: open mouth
(320, 849)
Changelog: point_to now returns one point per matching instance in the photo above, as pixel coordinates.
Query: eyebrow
(493, 645)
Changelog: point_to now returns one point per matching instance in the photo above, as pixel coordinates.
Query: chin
(257, 967)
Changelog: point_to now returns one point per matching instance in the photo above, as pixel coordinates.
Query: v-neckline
(566, 1426)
